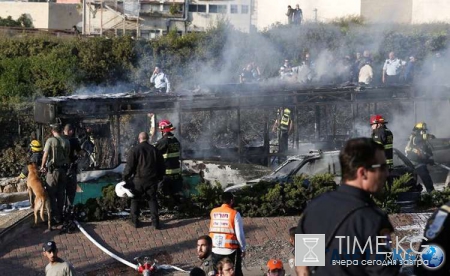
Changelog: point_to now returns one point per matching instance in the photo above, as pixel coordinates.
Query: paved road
(174, 244)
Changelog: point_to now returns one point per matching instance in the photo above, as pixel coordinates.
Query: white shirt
(239, 231)
(365, 74)
(160, 80)
(393, 67)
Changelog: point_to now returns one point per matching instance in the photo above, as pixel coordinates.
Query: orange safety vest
(221, 227)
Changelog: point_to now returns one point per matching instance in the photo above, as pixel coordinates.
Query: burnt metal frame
(112, 106)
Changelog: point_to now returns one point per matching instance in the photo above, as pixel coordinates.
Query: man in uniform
(383, 136)
(419, 151)
(35, 154)
(145, 168)
(437, 232)
(283, 126)
(170, 148)
(71, 187)
(55, 163)
(358, 219)
(226, 230)
(204, 252)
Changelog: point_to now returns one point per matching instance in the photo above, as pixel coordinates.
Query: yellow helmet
(36, 146)
(287, 111)
(420, 126)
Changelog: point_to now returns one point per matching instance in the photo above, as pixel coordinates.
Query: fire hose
(443, 166)
(114, 256)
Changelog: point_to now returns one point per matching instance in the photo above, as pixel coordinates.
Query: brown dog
(34, 185)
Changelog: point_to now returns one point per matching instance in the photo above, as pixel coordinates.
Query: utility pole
(315, 15)
(83, 31)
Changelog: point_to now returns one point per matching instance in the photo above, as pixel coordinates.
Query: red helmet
(166, 126)
(377, 119)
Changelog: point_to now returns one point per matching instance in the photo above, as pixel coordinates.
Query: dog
(34, 186)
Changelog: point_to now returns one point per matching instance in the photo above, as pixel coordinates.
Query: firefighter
(419, 151)
(35, 155)
(283, 126)
(170, 148)
(382, 135)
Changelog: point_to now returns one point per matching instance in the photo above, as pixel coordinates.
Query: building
(44, 15)
(270, 12)
(151, 18)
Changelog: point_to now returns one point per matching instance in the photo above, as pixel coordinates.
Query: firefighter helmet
(420, 126)
(166, 126)
(36, 146)
(377, 119)
(122, 191)
(287, 111)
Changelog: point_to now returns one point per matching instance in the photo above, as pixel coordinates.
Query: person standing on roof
(159, 78)
(419, 151)
(382, 135)
(170, 148)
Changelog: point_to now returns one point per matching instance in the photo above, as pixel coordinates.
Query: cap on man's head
(273, 264)
(49, 246)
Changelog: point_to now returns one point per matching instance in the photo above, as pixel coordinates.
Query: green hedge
(262, 200)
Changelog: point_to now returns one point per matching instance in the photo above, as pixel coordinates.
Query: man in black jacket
(145, 168)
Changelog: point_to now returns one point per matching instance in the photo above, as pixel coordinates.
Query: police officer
(419, 151)
(75, 148)
(437, 232)
(55, 163)
(382, 135)
(283, 126)
(204, 253)
(364, 172)
(170, 148)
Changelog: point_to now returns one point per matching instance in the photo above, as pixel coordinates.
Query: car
(320, 162)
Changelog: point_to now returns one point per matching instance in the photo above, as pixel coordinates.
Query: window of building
(201, 8)
(244, 9)
(217, 8)
(233, 9)
(166, 7)
(197, 8)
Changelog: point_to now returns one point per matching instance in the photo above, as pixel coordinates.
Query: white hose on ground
(125, 262)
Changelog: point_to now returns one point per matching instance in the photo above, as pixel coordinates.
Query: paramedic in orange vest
(227, 233)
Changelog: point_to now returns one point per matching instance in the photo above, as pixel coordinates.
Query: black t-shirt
(324, 214)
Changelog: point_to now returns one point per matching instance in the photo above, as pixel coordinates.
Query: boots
(134, 221)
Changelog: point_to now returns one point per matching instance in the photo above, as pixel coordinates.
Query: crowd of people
(356, 69)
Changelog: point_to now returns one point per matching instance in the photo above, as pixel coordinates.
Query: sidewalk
(175, 244)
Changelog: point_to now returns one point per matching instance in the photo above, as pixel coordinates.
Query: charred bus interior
(228, 122)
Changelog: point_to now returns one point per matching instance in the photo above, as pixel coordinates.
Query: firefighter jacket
(385, 137)
(170, 149)
(419, 149)
(222, 228)
(285, 121)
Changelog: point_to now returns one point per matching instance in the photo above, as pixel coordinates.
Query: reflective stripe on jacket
(222, 228)
(385, 137)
